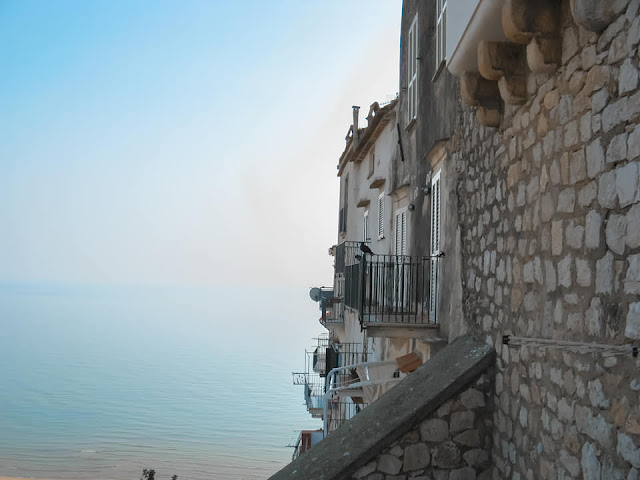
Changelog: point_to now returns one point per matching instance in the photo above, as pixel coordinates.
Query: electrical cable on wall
(576, 347)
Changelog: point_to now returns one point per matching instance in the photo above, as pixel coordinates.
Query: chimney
(356, 112)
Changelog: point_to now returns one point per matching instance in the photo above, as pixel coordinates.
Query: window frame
(441, 35)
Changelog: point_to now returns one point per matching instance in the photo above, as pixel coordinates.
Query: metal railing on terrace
(339, 412)
(326, 357)
(387, 288)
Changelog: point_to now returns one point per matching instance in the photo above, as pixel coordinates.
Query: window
(412, 71)
(342, 218)
(441, 28)
(401, 232)
(381, 216)
(365, 226)
(372, 161)
(435, 246)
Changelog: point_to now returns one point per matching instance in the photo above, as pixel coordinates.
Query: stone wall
(453, 443)
(452, 390)
(549, 215)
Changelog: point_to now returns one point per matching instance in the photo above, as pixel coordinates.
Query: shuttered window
(401, 232)
(412, 71)
(436, 214)
(365, 226)
(381, 216)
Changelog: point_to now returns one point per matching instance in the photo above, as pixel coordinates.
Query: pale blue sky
(181, 142)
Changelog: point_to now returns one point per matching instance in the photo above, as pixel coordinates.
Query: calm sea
(101, 382)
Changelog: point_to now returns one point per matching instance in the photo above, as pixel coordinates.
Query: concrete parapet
(366, 442)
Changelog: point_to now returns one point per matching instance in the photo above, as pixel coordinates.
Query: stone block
(465, 473)
(627, 448)
(570, 134)
(585, 127)
(565, 410)
(627, 178)
(620, 111)
(469, 438)
(615, 233)
(566, 200)
(633, 226)
(434, 430)
(472, 398)
(599, 100)
(461, 421)
(593, 318)
(397, 451)
(632, 280)
(445, 455)
(627, 78)
(591, 468)
(633, 143)
(569, 462)
(595, 158)
(632, 422)
(593, 15)
(597, 396)
(389, 464)
(617, 149)
(476, 457)
(607, 193)
(618, 49)
(596, 427)
(577, 166)
(574, 234)
(593, 224)
(550, 276)
(604, 274)
(556, 237)
(587, 194)
(632, 329)
(416, 457)
(564, 271)
(583, 272)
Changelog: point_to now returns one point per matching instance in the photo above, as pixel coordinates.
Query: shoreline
(25, 478)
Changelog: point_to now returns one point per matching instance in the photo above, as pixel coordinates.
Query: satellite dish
(315, 294)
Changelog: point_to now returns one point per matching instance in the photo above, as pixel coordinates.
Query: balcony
(389, 292)
(326, 357)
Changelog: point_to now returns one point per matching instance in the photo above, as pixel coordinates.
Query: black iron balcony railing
(389, 288)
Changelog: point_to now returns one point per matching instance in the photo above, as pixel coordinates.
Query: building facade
(518, 162)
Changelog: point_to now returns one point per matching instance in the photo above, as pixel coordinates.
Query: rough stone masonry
(549, 210)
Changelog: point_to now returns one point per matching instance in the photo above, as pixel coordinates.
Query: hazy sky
(181, 142)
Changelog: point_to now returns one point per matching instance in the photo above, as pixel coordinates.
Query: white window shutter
(412, 71)
(381, 216)
(401, 232)
(435, 247)
(365, 226)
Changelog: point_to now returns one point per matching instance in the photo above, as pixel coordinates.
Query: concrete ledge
(402, 330)
(359, 440)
